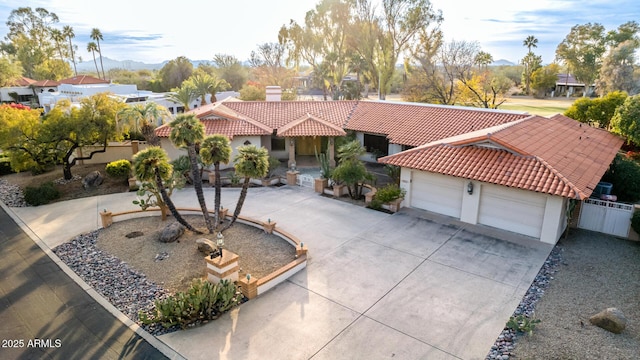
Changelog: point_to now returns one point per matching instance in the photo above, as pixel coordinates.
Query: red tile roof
(83, 80)
(46, 83)
(418, 124)
(557, 155)
(310, 125)
(227, 127)
(276, 114)
(23, 81)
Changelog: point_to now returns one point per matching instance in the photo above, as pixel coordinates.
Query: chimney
(274, 93)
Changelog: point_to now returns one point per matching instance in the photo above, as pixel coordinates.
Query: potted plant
(325, 172)
(389, 197)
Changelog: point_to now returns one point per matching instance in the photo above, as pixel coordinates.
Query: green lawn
(536, 110)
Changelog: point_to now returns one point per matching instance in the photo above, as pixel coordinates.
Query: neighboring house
(20, 91)
(508, 170)
(567, 85)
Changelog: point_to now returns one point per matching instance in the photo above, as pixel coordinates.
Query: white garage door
(438, 193)
(514, 210)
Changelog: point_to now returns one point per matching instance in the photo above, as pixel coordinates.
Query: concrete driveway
(403, 286)
(406, 286)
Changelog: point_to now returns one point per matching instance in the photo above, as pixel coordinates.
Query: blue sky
(152, 31)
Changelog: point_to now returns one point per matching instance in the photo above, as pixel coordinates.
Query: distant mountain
(126, 64)
(502, 62)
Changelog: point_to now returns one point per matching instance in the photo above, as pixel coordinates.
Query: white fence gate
(606, 217)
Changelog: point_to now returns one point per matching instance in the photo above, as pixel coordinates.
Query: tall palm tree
(483, 59)
(184, 95)
(96, 35)
(68, 33)
(152, 165)
(144, 119)
(530, 42)
(92, 47)
(58, 37)
(216, 149)
(206, 84)
(251, 162)
(187, 131)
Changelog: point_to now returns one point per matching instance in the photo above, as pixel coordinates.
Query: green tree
(582, 50)
(381, 38)
(251, 162)
(54, 69)
(617, 71)
(230, 70)
(486, 90)
(70, 129)
(58, 38)
(626, 120)
(92, 48)
(252, 93)
(216, 149)
(152, 165)
(188, 132)
(544, 79)
(596, 112)
(143, 119)
(184, 95)
(351, 169)
(96, 36)
(531, 62)
(624, 174)
(206, 84)
(530, 42)
(10, 71)
(20, 139)
(175, 72)
(29, 37)
(67, 32)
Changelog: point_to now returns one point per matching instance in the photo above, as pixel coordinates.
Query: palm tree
(68, 33)
(216, 149)
(205, 84)
(187, 131)
(92, 47)
(483, 59)
(58, 37)
(152, 165)
(184, 95)
(144, 119)
(530, 42)
(251, 162)
(96, 35)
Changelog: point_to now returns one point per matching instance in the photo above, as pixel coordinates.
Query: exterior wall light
(470, 188)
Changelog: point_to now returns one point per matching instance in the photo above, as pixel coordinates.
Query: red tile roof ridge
(452, 107)
(220, 110)
(579, 195)
(307, 117)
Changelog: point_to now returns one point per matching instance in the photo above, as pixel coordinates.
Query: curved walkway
(46, 315)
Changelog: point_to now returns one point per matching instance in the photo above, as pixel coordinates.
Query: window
(376, 144)
(278, 144)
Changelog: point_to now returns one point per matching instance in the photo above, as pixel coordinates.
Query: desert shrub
(41, 195)
(522, 324)
(635, 221)
(389, 193)
(274, 164)
(202, 301)
(119, 169)
(624, 174)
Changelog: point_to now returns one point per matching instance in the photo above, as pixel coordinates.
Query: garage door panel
(437, 193)
(511, 209)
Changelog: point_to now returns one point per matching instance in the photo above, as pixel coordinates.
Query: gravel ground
(596, 272)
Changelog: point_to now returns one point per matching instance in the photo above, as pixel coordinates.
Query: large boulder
(172, 232)
(610, 319)
(206, 246)
(92, 180)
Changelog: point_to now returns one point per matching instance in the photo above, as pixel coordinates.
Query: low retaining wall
(250, 286)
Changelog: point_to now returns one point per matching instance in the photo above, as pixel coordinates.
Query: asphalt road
(44, 314)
